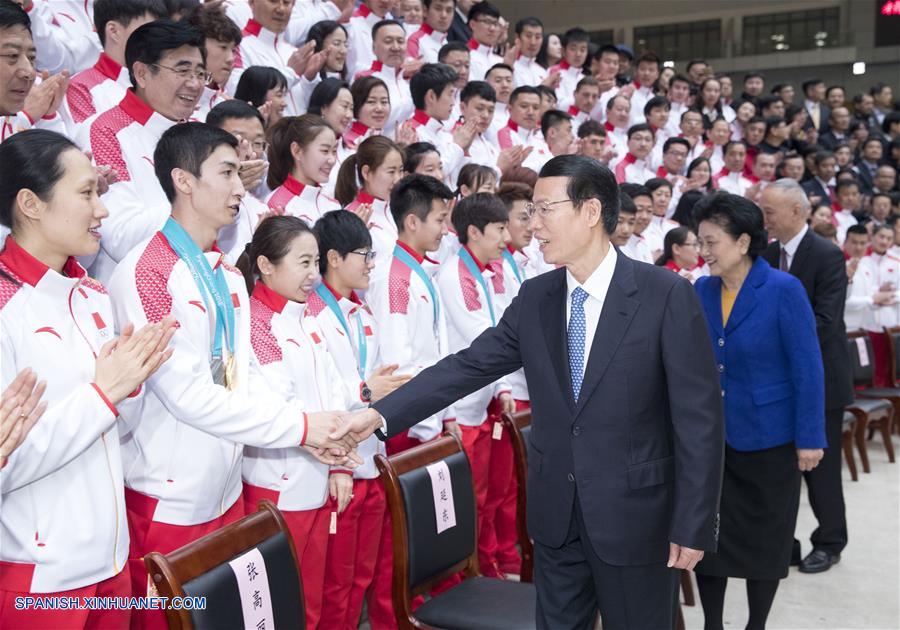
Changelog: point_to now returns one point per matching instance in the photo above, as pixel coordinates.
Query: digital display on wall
(887, 22)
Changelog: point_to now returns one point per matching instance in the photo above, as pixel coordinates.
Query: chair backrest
(247, 572)
(422, 556)
(519, 426)
(894, 339)
(862, 357)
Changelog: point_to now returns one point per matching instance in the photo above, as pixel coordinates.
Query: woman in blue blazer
(763, 334)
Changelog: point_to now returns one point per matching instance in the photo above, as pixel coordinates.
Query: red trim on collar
(337, 296)
(108, 67)
(132, 105)
(358, 128)
(609, 127)
(421, 117)
(564, 65)
(673, 266)
(637, 85)
(364, 197)
(511, 249)
(473, 44)
(425, 28)
(362, 11)
(629, 159)
(662, 172)
(481, 265)
(252, 28)
(293, 186)
(269, 297)
(419, 258)
(573, 110)
(29, 268)
(513, 125)
(377, 66)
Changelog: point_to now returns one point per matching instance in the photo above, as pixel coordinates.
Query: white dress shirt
(596, 286)
(790, 248)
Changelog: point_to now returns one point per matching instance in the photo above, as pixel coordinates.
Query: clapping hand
(127, 361)
(20, 408)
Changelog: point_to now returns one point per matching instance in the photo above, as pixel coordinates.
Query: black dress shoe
(818, 561)
(796, 555)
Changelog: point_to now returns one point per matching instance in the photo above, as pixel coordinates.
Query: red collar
(673, 266)
(419, 258)
(573, 110)
(629, 158)
(132, 105)
(362, 11)
(425, 28)
(473, 44)
(421, 117)
(337, 296)
(511, 249)
(364, 197)
(662, 172)
(609, 127)
(513, 125)
(637, 85)
(564, 65)
(294, 186)
(269, 297)
(108, 67)
(377, 66)
(29, 268)
(252, 28)
(357, 127)
(481, 266)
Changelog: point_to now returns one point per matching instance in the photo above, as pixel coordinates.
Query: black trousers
(826, 492)
(573, 583)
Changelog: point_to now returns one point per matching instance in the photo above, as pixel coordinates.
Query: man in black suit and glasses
(627, 439)
(820, 266)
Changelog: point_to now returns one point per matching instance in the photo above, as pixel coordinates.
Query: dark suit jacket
(643, 445)
(830, 141)
(824, 113)
(459, 31)
(865, 178)
(813, 188)
(820, 266)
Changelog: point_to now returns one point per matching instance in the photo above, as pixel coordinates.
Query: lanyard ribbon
(211, 283)
(512, 263)
(469, 262)
(403, 256)
(332, 304)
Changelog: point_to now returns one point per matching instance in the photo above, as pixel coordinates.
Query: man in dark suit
(814, 102)
(627, 439)
(820, 188)
(459, 28)
(819, 265)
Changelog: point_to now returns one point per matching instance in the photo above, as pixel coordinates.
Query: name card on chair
(444, 512)
(862, 351)
(253, 585)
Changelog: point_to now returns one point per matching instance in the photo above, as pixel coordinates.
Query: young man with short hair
(484, 20)
(502, 78)
(426, 42)
(731, 178)
(556, 128)
(679, 96)
(529, 38)
(633, 168)
(848, 202)
(575, 43)
(587, 92)
(637, 247)
(648, 67)
(618, 113)
(593, 142)
(523, 126)
(222, 38)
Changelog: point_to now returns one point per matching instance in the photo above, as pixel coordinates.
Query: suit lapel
(713, 308)
(619, 308)
(800, 256)
(746, 299)
(553, 318)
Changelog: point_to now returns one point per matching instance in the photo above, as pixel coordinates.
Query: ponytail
(347, 186)
(371, 152)
(272, 239)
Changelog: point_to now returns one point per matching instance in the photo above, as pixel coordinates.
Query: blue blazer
(770, 365)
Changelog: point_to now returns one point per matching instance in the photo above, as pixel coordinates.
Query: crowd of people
(228, 223)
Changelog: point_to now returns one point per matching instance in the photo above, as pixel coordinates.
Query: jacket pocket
(652, 473)
(768, 394)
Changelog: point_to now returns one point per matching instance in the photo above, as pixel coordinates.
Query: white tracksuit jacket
(300, 200)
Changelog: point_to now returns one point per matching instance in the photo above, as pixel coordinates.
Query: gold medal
(230, 376)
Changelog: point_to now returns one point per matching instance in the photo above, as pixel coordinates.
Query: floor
(860, 593)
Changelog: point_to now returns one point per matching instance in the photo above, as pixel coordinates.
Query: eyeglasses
(488, 22)
(542, 208)
(369, 256)
(186, 73)
(259, 146)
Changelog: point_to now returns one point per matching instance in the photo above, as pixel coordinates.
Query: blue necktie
(577, 331)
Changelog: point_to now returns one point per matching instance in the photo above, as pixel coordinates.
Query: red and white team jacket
(185, 447)
(873, 272)
(512, 135)
(673, 127)
(642, 94)
(292, 357)
(632, 170)
(63, 520)
(734, 183)
(569, 78)
(469, 311)
(438, 133)
(360, 54)
(63, 34)
(301, 200)
(398, 89)
(124, 138)
(426, 43)
(408, 333)
(517, 267)
(617, 138)
(262, 47)
(305, 14)
(481, 59)
(843, 219)
(527, 71)
(345, 351)
(501, 117)
(97, 89)
(381, 225)
(578, 117)
(21, 121)
(637, 248)
(655, 233)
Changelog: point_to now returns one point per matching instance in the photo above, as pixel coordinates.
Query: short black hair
(325, 93)
(810, 83)
(523, 89)
(877, 88)
(845, 183)
(858, 228)
(679, 77)
(150, 42)
(528, 21)
(414, 194)
(891, 118)
(233, 108)
(736, 215)
(655, 183)
(481, 89)
(656, 101)
(186, 146)
(773, 121)
(11, 14)
(605, 48)
(415, 152)
(695, 62)
(591, 128)
(648, 56)
(767, 101)
(450, 47)
(551, 118)
(588, 179)
(433, 76)
(499, 66)
(482, 8)
(255, 83)
(546, 90)
(676, 140)
(384, 23)
(479, 210)
(125, 11)
(626, 205)
(633, 129)
(752, 75)
(635, 190)
(341, 231)
(362, 88)
(576, 35)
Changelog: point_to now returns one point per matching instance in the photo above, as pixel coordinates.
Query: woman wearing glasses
(281, 267)
(377, 165)
(346, 259)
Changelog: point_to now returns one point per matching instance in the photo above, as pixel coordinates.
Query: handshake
(332, 436)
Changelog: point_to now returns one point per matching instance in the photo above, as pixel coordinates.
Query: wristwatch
(365, 393)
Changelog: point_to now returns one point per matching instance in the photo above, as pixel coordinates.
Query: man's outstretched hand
(683, 557)
(333, 451)
(357, 426)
